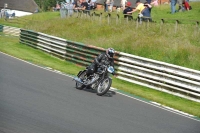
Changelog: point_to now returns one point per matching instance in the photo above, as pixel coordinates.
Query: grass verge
(179, 45)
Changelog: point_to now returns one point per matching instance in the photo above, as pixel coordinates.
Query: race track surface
(35, 100)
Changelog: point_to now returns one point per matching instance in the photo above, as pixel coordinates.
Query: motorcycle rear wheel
(104, 86)
(79, 85)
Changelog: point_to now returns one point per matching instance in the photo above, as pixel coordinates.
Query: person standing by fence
(123, 3)
(111, 5)
(106, 3)
(180, 5)
(93, 4)
(77, 4)
(85, 7)
(173, 6)
(154, 3)
(128, 9)
(147, 12)
(186, 5)
(139, 7)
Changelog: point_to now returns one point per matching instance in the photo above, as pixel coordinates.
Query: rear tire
(104, 86)
(79, 85)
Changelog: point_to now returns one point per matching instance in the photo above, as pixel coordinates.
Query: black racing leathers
(101, 59)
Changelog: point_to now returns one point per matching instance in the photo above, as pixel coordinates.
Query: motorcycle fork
(80, 72)
(102, 77)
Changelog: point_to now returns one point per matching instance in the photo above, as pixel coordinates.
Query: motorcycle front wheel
(79, 85)
(104, 86)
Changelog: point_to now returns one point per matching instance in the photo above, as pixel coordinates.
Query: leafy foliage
(46, 5)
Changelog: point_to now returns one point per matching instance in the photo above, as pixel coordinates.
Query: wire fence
(127, 18)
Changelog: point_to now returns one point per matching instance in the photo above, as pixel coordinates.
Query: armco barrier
(1, 28)
(161, 76)
(10, 30)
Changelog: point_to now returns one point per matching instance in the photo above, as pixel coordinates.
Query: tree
(46, 5)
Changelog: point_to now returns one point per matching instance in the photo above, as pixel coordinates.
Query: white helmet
(110, 52)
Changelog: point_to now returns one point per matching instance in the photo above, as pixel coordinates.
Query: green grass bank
(159, 43)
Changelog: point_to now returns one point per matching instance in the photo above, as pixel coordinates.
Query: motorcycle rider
(102, 59)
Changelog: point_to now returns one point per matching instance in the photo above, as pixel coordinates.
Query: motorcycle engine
(94, 78)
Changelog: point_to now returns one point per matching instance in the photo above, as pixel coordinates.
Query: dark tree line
(46, 5)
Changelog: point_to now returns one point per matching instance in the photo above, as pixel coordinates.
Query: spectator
(186, 5)
(85, 6)
(7, 15)
(93, 4)
(173, 6)
(70, 7)
(106, 3)
(146, 12)
(37, 10)
(77, 4)
(118, 8)
(123, 3)
(57, 7)
(148, 1)
(13, 15)
(111, 5)
(139, 7)
(89, 4)
(180, 7)
(2, 13)
(154, 3)
(128, 9)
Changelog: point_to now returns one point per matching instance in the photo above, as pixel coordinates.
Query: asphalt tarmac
(35, 100)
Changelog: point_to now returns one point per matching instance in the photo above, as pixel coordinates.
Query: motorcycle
(99, 81)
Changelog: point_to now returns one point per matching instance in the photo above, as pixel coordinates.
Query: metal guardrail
(10, 30)
(1, 28)
(161, 76)
(158, 75)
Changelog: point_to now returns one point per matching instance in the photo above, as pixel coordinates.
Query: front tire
(104, 86)
(79, 85)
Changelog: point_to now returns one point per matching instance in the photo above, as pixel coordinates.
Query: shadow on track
(108, 94)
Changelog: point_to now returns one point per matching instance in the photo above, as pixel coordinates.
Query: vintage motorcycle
(99, 81)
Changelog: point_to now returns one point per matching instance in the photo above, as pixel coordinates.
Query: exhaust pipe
(91, 82)
(86, 84)
(78, 80)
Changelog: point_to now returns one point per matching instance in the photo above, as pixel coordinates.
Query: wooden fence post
(161, 24)
(76, 13)
(95, 15)
(137, 23)
(117, 19)
(92, 16)
(100, 17)
(127, 19)
(109, 15)
(87, 13)
(176, 26)
(81, 13)
(197, 26)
